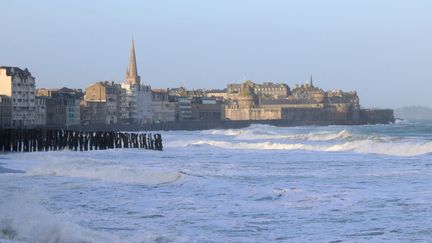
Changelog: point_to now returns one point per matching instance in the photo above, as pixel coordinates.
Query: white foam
(359, 146)
(312, 136)
(227, 132)
(328, 136)
(265, 132)
(23, 219)
(121, 173)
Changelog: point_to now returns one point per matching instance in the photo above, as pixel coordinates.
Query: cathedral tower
(132, 77)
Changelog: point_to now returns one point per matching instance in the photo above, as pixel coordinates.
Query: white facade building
(137, 107)
(40, 111)
(164, 110)
(20, 86)
(138, 103)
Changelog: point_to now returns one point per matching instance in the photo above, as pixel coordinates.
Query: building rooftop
(16, 71)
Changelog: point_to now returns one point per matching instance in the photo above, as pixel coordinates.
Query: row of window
(270, 89)
(22, 115)
(15, 108)
(23, 100)
(22, 92)
(24, 84)
(21, 122)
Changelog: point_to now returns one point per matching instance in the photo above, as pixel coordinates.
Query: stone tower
(132, 77)
(247, 97)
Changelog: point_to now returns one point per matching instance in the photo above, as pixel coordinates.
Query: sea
(262, 183)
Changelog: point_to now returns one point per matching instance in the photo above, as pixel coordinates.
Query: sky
(382, 49)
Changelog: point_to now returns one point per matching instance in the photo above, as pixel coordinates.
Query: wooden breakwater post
(39, 140)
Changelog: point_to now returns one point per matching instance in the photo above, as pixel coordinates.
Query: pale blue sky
(381, 48)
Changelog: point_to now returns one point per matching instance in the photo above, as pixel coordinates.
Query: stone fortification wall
(301, 114)
(373, 116)
(253, 113)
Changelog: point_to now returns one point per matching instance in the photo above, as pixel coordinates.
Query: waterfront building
(204, 109)
(19, 85)
(183, 108)
(93, 112)
(342, 105)
(306, 103)
(112, 95)
(5, 111)
(164, 108)
(62, 106)
(267, 90)
(246, 106)
(41, 108)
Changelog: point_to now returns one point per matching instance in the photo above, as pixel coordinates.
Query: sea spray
(22, 218)
(360, 146)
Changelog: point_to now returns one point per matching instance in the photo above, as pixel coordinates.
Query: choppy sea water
(258, 184)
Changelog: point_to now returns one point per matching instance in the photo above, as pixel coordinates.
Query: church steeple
(132, 76)
(311, 81)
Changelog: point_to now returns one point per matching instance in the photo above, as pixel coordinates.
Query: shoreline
(218, 124)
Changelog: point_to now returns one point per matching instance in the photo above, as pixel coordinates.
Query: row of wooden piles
(39, 140)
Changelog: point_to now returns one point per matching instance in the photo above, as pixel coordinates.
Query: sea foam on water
(23, 219)
(324, 141)
(261, 183)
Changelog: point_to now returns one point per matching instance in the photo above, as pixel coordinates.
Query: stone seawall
(374, 116)
(367, 116)
(205, 125)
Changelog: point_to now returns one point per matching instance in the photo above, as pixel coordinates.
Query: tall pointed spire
(311, 81)
(132, 77)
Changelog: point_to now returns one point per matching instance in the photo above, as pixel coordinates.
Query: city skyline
(177, 46)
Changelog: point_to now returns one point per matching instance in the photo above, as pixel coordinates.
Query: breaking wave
(119, 173)
(359, 146)
(23, 219)
(313, 136)
(326, 139)
(264, 132)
